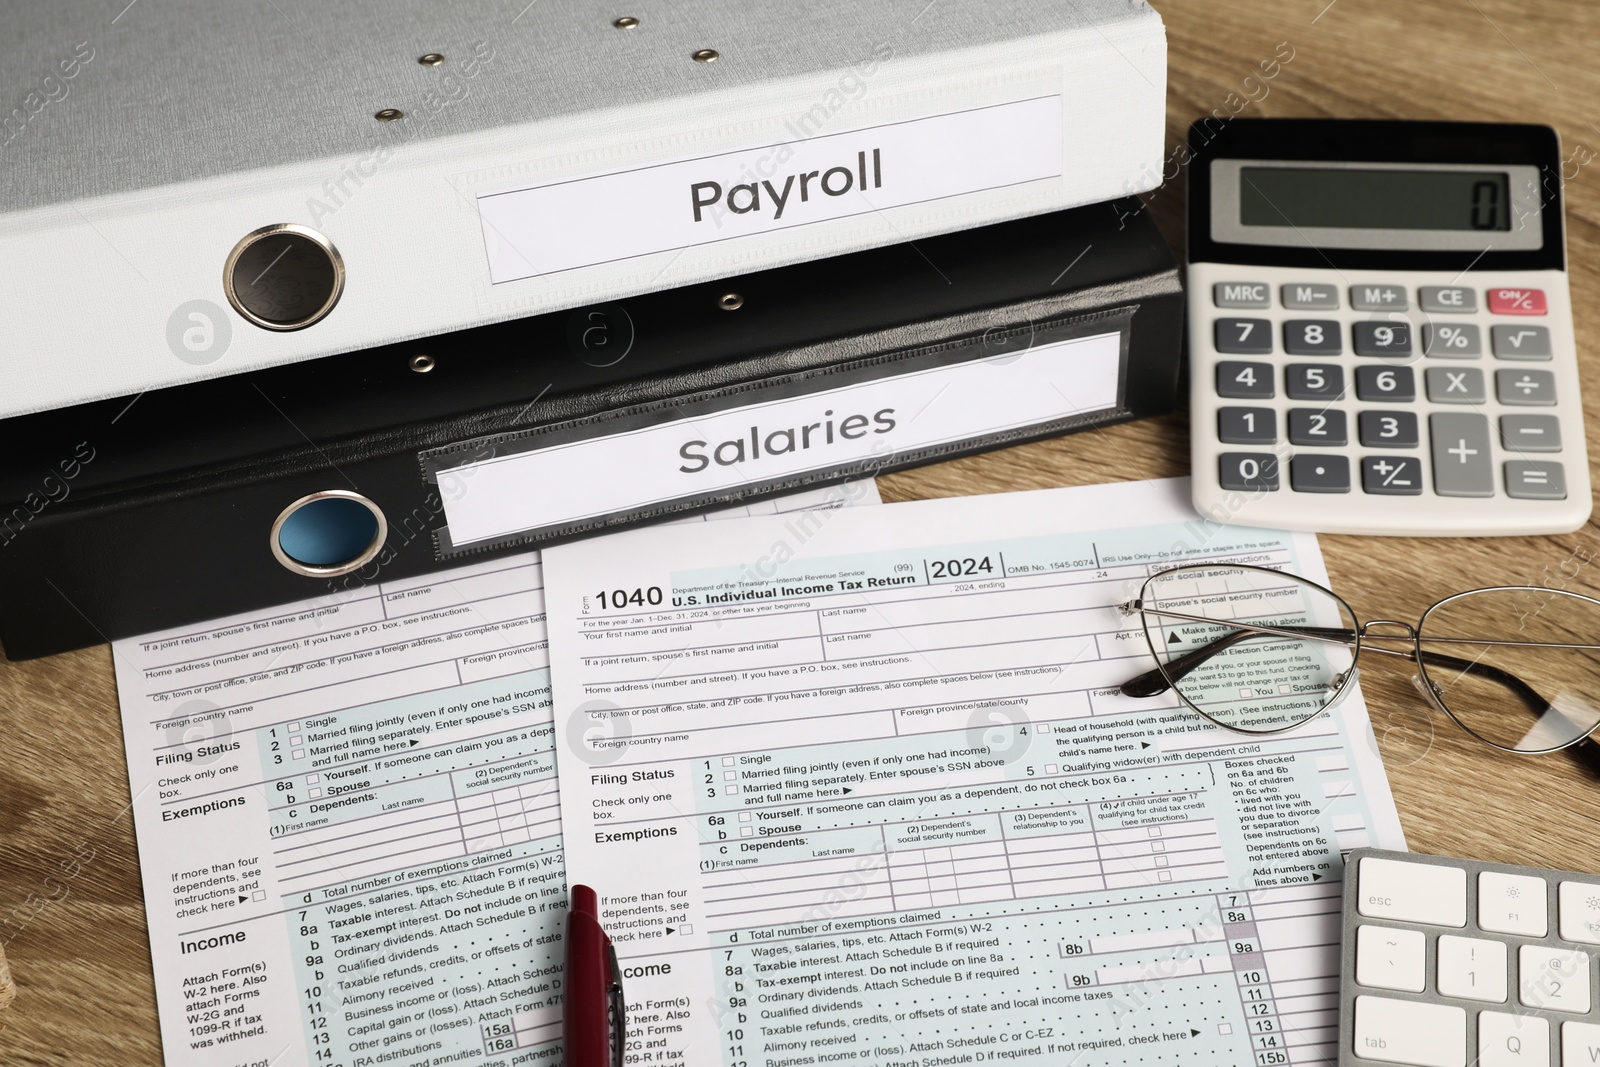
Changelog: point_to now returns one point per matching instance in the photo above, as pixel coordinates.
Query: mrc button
(1241, 295)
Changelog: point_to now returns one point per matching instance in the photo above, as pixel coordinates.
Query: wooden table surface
(71, 914)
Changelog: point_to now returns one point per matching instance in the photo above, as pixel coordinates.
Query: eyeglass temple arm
(1156, 681)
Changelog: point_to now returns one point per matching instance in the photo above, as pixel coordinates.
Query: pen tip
(585, 900)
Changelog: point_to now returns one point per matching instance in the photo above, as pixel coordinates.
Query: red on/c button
(1516, 302)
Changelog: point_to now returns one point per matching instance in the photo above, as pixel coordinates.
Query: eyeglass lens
(1494, 657)
(1248, 681)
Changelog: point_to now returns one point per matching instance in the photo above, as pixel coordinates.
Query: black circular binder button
(283, 277)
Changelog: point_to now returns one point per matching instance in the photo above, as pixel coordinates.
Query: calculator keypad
(1431, 371)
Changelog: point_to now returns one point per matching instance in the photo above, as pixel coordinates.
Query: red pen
(594, 1021)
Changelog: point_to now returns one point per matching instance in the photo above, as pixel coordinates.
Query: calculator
(1450, 963)
(1380, 330)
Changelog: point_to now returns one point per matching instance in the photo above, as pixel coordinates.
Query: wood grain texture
(71, 916)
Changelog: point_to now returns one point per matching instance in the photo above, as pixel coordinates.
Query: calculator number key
(1313, 381)
(1317, 428)
(1244, 381)
(1244, 337)
(1312, 337)
(1382, 338)
(1388, 429)
(1244, 472)
(1391, 475)
(1385, 383)
(1247, 426)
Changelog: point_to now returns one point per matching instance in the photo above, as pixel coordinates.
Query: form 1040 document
(347, 820)
(859, 787)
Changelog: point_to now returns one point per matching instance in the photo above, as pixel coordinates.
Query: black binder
(143, 513)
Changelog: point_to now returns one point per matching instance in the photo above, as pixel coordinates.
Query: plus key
(1517, 302)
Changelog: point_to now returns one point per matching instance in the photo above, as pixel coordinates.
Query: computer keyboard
(1453, 962)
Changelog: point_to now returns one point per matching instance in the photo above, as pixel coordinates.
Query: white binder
(411, 168)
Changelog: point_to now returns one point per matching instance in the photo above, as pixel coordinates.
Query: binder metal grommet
(328, 533)
(283, 277)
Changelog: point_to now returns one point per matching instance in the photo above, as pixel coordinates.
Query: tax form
(348, 825)
(859, 788)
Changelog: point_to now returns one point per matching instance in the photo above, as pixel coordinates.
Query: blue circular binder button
(328, 533)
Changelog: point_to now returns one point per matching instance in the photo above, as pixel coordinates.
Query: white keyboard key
(1580, 1044)
(1391, 959)
(1578, 904)
(1506, 1040)
(1555, 979)
(1400, 1031)
(1471, 968)
(1412, 892)
(1512, 904)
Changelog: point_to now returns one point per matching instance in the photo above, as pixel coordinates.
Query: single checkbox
(1158, 846)
(1161, 861)
(259, 894)
(731, 789)
(727, 761)
(297, 740)
(744, 816)
(728, 776)
(1155, 831)
(1049, 768)
(685, 929)
(315, 791)
(294, 728)
(746, 831)
(1224, 1029)
(313, 778)
(1165, 876)
(300, 753)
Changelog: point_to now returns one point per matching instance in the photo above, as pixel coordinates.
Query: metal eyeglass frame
(1167, 675)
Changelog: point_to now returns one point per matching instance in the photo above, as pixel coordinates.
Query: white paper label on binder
(868, 422)
(550, 228)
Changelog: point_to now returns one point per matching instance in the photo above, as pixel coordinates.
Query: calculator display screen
(1350, 198)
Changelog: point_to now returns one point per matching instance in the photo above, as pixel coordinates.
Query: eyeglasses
(1259, 651)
